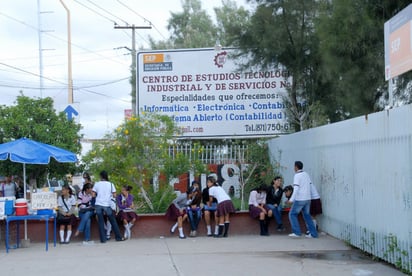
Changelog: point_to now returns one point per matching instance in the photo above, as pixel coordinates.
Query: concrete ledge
(155, 225)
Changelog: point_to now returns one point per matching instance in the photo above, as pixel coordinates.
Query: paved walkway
(236, 255)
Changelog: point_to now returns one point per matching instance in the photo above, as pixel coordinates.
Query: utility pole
(69, 55)
(133, 80)
(41, 49)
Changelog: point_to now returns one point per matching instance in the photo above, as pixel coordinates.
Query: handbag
(62, 218)
(113, 203)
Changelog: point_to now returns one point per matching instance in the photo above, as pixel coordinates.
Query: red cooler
(21, 207)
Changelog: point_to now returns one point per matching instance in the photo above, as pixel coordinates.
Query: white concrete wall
(363, 170)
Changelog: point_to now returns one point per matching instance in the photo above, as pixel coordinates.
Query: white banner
(208, 97)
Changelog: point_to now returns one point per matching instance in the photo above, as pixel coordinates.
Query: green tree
(261, 168)
(231, 21)
(191, 28)
(352, 47)
(139, 151)
(37, 119)
(280, 34)
(351, 41)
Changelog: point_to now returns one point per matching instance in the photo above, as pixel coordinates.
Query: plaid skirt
(128, 216)
(315, 207)
(254, 211)
(225, 207)
(69, 220)
(173, 213)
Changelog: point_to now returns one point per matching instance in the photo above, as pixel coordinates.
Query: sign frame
(207, 95)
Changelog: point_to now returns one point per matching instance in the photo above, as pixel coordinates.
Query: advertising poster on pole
(208, 96)
(398, 43)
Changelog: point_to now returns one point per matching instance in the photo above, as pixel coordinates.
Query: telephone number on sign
(267, 127)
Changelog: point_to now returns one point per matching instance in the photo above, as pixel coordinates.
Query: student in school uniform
(224, 206)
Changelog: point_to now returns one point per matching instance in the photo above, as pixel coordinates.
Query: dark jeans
(194, 214)
(100, 211)
(85, 223)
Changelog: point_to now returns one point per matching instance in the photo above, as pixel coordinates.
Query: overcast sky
(100, 71)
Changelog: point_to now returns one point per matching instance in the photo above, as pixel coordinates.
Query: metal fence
(211, 154)
(363, 171)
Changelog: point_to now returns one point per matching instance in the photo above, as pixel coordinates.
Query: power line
(104, 83)
(101, 94)
(28, 86)
(107, 12)
(96, 12)
(58, 38)
(55, 55)
(76, 88)
(107, 18)
(31, 73)
(141, 16)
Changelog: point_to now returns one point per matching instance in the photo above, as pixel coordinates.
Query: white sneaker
(293, 235)
(309, 236)
(88, 242)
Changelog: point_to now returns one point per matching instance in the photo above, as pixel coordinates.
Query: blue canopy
(27, 151)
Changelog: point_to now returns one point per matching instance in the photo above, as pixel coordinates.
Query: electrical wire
(144, 18)
(51, 87)
(111, 14)
(58, 55)
(31, 73)
(74, 88)
(58, 38)
(108, 12)
(96, 12)
(104, 83)
(101, 94)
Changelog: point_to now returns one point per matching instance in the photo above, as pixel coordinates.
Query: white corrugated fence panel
(363, 170)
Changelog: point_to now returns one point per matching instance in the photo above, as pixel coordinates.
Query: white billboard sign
(398, 43)
(203, 91)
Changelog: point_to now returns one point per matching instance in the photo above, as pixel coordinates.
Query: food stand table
(17, 219)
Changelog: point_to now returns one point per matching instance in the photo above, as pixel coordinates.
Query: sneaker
(307, 232)
(88, 242)
(182, 237)
(293, 235)
(280, 228)
(309, 236)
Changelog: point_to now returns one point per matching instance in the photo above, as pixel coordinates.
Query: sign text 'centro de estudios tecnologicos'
(207, 96)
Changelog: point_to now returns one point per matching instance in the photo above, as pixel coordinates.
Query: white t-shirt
(8, 189)
(70, 202)
(218, 193)
(256, 198)
(104, 191)
(301, 186)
